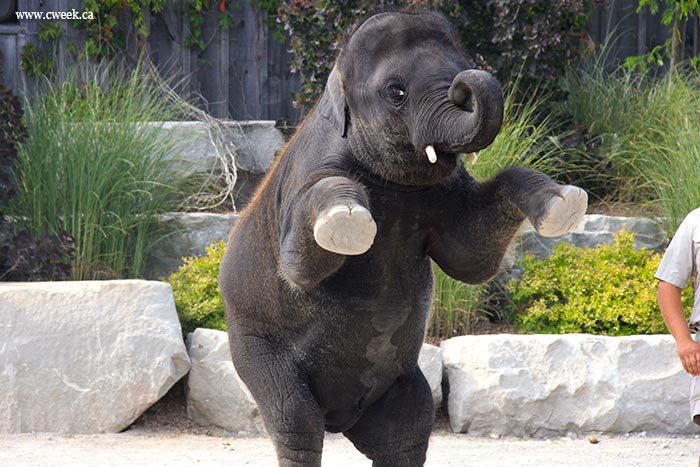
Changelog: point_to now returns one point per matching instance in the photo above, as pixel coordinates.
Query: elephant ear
(332, 105)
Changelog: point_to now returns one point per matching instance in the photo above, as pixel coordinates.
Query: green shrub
(196, 290)
(609, 290)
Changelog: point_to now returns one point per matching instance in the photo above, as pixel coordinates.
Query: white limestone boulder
(430, 363)
(545, 385)
(85, 357)
(215, 393)
(596, 229)
(190, 234)
(253, 142)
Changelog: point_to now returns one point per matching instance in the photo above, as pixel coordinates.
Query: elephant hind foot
(562, 212)
(345, 229)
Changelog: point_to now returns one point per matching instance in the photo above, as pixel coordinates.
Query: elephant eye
(396, 93)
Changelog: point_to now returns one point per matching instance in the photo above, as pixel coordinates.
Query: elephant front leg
(328, 222)
(471, 236)
(553, 209)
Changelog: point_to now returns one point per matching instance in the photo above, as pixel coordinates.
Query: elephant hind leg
(394, 431)
(292, 417)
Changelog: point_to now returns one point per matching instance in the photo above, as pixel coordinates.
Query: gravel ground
(146, 449)
(164, 437)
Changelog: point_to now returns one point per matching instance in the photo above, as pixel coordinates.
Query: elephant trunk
(478, 96)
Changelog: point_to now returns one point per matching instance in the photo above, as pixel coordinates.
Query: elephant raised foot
(562, 212)
(346, 229)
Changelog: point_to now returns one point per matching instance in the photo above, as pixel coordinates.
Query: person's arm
(669, 300)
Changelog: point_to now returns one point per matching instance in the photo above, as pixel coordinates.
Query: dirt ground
(164, 437)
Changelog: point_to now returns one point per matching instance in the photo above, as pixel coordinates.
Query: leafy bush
(11, 131)
(25, 258)
(90, 166)
(196, 290)
(532, 42)
(609, 290)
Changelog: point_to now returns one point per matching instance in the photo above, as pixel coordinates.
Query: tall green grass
(667, 153)
(457, 307)
(650, 132)
(91, 166)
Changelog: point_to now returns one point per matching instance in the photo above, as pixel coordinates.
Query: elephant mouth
(435, 155)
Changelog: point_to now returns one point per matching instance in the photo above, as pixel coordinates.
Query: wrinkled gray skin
(327, 341)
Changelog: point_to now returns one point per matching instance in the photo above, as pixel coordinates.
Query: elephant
(327, 276)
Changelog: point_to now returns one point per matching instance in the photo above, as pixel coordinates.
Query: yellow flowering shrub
(608, 290)
(196, 290)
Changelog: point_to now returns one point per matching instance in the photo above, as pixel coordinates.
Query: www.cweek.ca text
(55, 15)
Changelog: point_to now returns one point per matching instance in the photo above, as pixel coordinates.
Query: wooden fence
(627, 33)
(244, 72)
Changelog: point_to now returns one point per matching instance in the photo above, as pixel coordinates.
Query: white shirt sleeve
(676, 266)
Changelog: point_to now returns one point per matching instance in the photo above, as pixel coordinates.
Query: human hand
(689, 353)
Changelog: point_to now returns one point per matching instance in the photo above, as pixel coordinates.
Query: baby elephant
(327, 275)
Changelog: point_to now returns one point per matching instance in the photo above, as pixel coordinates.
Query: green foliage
(609, 290)
(23, 257)
(457, 307)
(92, 167)
(104, 36)
(35, 61)
(676, 13)
(196, 290)
(196, 12)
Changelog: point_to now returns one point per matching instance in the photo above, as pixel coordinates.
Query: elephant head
(407, 101)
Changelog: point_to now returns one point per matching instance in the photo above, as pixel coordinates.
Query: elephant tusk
(432, 155)
(472, 157)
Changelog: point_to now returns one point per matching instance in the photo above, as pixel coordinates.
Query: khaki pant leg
(695, 394)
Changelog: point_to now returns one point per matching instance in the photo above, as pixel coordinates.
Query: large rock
(430, 363)
(85, 357)
(595, 229)
(253, 145)
(190, 234)
(254, 142)
(215, 393)
(543, 385)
